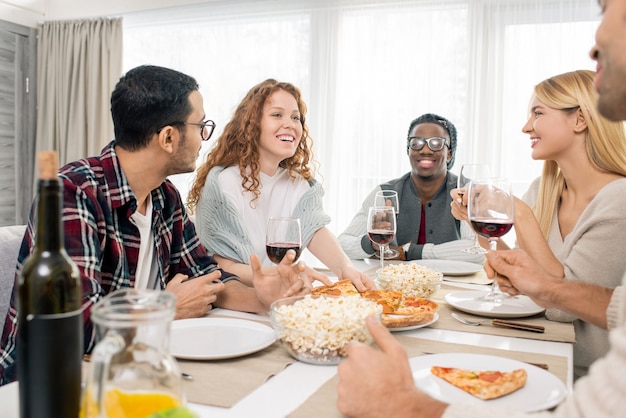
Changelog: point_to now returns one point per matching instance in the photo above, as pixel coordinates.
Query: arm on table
(325, 246)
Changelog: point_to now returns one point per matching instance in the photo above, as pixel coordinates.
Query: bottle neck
(49, 216)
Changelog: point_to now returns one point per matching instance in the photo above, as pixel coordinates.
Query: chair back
(10, 241)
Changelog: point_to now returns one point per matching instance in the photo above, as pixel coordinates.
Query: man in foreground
(125, 224)
(380, 383)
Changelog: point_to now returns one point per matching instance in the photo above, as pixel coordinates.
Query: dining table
(270, 383)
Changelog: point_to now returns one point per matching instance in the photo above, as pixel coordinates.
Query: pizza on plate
(412, 305)
(482, 384)
(388, 299)
(398, 310)
(340, 288)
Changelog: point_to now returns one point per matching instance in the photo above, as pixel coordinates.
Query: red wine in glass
(489, 228)
(276, 251)
(381, 227)
(491, 211)
(388, 198)
(381, 237)
(283, 234)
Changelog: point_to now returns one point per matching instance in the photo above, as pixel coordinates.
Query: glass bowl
(316, 329)
(410, 279)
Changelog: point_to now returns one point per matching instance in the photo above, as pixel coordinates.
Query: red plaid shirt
(104, 243)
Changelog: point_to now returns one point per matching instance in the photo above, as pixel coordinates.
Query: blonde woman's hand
(458, 206)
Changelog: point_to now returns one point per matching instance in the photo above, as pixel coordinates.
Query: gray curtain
(79, 63)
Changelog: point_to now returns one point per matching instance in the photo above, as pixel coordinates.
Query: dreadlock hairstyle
(441, 121)
(239, 143)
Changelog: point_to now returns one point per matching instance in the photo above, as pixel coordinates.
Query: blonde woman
(260, 167)
(572, 220)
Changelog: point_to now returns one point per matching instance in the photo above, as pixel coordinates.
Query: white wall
(30, 12)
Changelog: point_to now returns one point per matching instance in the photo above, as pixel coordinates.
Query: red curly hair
(239, 143)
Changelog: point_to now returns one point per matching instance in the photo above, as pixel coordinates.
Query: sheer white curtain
(367, 68)
(516, 45)
(79, 63)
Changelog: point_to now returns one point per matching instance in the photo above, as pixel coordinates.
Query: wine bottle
(49, 344)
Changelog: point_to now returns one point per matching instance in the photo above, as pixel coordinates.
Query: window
(367, 68)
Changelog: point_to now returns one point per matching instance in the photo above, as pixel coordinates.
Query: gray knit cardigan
(222, 229)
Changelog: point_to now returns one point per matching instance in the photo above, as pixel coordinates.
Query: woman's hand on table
(194, 297)
(361, 281)
(377, 383)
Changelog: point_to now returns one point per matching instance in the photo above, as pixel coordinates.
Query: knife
(517, 325)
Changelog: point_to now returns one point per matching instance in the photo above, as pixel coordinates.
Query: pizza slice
(482, 384)
(388, 299)
(412, 305)
(340, 288)
(401, 321)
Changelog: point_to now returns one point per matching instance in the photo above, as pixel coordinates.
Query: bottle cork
(48, 165)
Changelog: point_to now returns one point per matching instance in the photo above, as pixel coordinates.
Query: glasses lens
(436, 143)
(207, 130)
(417, 144)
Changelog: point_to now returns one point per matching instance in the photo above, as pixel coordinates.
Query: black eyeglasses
(206, 128)
(436, 143)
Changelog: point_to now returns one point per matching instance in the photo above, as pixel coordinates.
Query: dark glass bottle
(50, 330)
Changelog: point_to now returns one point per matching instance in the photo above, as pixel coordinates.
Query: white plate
(543, 390)
(511, 307)
(218, 338)
(451, 267)
(410, 327)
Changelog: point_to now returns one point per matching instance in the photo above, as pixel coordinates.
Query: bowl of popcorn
(316, 329)
(411, 279)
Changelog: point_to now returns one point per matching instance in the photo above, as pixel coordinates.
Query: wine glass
(381, 227)
(467, 173)
(283, 234)
(491, 210)
(388, 198)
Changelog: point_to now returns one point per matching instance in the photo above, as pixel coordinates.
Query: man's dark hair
(146, 99)
(444, 123)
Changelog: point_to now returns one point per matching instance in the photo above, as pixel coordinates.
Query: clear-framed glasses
(206, 127)
(436, 143)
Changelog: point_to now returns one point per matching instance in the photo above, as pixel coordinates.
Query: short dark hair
(147, 98)
(444, 123)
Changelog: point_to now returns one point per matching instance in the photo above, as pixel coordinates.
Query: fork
(500, 323)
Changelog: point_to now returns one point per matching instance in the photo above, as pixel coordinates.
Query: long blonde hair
(239, 143)
(605, 141)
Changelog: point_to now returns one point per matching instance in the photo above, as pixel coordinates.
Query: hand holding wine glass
(283, 234)
(491, 211)
(381, 227)
(388, 198)
(467, 173)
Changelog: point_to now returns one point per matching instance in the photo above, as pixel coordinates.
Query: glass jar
(131, 372)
